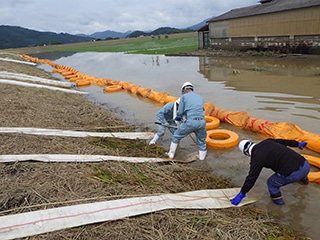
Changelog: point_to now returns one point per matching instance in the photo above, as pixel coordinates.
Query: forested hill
(14, 37)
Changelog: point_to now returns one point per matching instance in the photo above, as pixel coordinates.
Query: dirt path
(27, 186)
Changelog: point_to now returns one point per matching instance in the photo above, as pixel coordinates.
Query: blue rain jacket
(191, 107)
(165, 116)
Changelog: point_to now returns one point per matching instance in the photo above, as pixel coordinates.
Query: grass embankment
(173, 43)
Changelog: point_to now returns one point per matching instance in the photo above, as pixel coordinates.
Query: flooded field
(277, 90)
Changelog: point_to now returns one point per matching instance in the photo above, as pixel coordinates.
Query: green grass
(145, 45)
(110, 176)
(172, 43)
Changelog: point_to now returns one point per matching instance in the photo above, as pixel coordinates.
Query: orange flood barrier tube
(239, 119)
(314, 161)
(283, 130)
(157, 96)
(143, 92)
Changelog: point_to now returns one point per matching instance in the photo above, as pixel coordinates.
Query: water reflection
(247, 75)
(271, 89)
(300, 66)
(278, 85)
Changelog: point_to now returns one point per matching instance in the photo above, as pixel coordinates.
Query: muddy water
(271, 89)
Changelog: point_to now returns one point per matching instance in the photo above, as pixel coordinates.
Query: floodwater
(276, 90)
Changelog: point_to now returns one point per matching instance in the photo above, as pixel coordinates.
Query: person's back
(191, 106)
(165, 114)
(274, 154)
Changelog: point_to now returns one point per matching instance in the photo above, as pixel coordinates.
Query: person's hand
(237, 199)
(302, 145)
(178, 119)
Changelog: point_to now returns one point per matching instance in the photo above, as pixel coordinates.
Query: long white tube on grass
(25, 77)
(43, 221)
(18, 61)
(24, 84)
(76, 158)
(70, 133)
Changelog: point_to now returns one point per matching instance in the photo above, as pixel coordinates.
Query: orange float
(113, 88)
(212, 122)
(314, 161)
(221, 138)
(83, 83)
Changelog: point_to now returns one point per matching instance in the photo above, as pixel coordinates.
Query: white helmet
(186, 85)
(245, 145)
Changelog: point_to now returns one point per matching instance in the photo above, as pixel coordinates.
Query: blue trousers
(276, 180)
(196, 126)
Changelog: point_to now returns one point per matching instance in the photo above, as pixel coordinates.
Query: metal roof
(203, 28)
(265, 8)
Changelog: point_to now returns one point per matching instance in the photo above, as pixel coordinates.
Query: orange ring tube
(113, 88)
(221, 138)
(212, 122)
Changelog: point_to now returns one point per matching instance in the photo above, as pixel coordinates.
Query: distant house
(282, 25)
(203, 37)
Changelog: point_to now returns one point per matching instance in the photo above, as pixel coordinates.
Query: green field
(172, 43)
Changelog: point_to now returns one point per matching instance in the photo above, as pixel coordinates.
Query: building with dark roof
(281, 25)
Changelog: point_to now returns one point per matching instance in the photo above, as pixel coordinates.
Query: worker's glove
(302, 145)
(237, 199)
(178, 119)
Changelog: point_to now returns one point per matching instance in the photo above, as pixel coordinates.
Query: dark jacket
(273, 154)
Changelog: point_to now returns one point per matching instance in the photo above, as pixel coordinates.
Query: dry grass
(27, 186)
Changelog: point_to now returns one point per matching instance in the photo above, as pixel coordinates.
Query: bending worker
(165, 118)
(192, 108)
(288, 165)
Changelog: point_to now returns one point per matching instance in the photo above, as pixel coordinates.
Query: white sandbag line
(25, 77)
(44, 221)
(18, 61)
(75, 158)
(69, 133)
(13, 82)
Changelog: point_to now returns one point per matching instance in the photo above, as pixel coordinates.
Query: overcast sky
(90, 16)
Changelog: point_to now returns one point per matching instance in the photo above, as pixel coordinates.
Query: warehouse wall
(289, 31)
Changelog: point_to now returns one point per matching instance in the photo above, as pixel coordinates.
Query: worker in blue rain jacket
(165, 118)
(288, 166)
(191, 108)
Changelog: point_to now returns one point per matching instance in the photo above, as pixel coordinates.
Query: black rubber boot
(277, 198)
